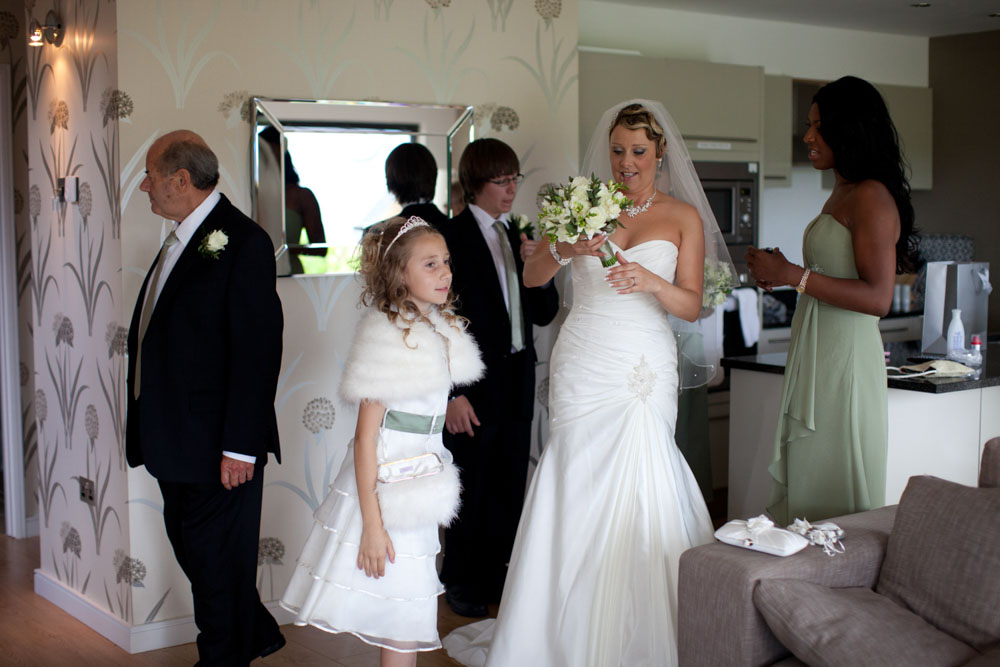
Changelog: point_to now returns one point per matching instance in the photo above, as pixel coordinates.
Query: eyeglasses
(504, 182)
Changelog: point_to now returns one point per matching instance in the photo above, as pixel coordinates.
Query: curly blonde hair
(382, 271)
(638, 117)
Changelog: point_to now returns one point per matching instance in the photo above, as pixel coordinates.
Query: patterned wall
(194, 64)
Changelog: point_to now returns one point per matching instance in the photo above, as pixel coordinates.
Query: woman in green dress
(830, 447)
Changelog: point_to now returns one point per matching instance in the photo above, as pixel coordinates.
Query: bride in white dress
(612, 505)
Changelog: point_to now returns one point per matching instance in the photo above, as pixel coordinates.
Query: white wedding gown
(612, 505)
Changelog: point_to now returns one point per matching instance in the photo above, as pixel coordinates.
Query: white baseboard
(136, 638)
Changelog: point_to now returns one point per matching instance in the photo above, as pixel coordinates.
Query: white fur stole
(384, 367)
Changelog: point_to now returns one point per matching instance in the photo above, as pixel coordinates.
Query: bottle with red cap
(976, 356)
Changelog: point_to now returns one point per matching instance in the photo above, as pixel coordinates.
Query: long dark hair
(855, 124)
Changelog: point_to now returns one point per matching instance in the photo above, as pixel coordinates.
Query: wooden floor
(36, 633)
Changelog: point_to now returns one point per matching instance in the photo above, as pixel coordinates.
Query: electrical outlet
(86, 490)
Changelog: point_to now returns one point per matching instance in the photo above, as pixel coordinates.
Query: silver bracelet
(556, 256)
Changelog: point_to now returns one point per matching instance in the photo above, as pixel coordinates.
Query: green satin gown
(830, 447)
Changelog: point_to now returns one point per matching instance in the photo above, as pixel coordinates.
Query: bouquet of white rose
(718, 283)
(583, 207)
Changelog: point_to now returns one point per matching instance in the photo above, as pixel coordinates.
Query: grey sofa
(919, 583)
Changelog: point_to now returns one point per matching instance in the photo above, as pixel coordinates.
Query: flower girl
(368, 566)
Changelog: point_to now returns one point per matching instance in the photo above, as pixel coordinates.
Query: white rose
(216, 241)
(595, 221)
(580, 182)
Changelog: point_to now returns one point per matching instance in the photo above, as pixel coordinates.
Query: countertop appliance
(732, 191)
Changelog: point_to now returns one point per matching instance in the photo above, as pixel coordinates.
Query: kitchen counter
(987, 375)
(937, 426)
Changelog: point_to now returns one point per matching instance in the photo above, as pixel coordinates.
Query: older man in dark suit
(489, 423)
(204, 357)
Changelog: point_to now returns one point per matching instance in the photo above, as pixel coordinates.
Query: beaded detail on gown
(612, 504)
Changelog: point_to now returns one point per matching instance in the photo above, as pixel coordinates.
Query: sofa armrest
(717, 621)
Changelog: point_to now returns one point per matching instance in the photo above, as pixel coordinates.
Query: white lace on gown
(593, 577)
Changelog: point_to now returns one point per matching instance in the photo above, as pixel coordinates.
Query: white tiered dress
(327, 590)
(612, 505)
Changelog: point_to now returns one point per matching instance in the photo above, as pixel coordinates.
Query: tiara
(414, 221)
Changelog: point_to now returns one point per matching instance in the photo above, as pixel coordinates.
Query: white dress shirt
(485, 222)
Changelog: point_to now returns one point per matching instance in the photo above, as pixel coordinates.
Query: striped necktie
(513, 289)
(148, 303)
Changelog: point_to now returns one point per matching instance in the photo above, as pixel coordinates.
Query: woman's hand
(628, 277)
(583, 246)
(770, 269)
(375, 547)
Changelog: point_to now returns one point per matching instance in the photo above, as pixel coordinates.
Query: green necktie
(147, 306)
(513, 289)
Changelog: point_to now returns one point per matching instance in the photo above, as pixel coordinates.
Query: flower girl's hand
(375, 547)
(628, 277)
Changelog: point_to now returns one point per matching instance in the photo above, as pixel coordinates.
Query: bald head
(181, 171)
(183, 149)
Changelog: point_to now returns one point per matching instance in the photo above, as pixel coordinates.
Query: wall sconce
(50, 32)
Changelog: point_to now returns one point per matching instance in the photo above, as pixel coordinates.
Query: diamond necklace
(632, 211)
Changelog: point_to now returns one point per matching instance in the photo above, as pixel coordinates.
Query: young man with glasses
(488, 424)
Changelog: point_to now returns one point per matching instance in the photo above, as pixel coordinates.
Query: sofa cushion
(989, 469)
(943, 558)
(852, 626)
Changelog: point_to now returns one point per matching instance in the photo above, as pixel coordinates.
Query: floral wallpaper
(133, 69)
(73, 304)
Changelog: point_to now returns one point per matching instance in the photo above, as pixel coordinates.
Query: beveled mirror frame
(444, 129)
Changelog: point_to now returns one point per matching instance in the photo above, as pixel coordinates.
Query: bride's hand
(628, 277)
(583, 246)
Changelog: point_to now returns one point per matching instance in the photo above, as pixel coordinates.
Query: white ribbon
(826, 535)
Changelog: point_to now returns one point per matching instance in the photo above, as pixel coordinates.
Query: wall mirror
(318, 171)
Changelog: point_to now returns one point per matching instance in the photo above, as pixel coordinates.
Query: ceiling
(943, 17)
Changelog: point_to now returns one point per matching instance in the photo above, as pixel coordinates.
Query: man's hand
(235, 472)
(460, 416)
(527, 247)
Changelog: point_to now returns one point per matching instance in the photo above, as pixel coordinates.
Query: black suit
(210, 362)
(494, 463)
(429, 212)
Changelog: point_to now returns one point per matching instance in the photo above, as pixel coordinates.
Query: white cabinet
(892, 328)
(718, 108)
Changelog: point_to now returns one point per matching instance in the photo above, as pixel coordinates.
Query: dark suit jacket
(480, 300)
(211, 357)
(429, 212)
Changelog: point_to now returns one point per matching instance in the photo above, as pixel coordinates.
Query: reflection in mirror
(318, 172)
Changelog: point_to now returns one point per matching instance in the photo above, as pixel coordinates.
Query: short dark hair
(411, 173)
(482, 160)
(196, 157)
(855, 123)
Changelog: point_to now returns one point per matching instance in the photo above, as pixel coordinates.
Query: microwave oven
(731, 189)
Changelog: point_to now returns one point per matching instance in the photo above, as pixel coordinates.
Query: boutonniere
(213, 243)
(522, 224)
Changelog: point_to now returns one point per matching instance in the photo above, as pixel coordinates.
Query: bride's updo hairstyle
(637, 117)
(383, 262)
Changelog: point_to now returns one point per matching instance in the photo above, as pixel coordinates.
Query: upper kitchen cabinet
(718, 108)
(911, 111)
(777, 137)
